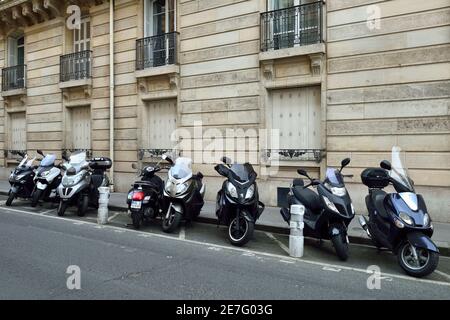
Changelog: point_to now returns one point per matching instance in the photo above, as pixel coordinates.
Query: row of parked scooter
(397, 221)
(75, 181)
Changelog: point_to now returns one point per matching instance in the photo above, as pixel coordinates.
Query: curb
(443, 251)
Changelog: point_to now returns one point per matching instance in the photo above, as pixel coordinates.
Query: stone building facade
(337, 78)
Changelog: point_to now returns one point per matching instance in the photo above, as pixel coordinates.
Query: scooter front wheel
(61, 208)
(239, 237)
(171, 221)
(36, 197)
(418, 264)
(340, 244)
(10, 199)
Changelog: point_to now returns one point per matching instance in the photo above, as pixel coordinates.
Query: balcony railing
(156, 51)
(75, 66)
(291, 27)
(14, 78)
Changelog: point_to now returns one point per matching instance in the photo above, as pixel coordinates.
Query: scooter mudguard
(14, 189)
(336, 230)
(177, 207)
(420, 240)
(246, 216)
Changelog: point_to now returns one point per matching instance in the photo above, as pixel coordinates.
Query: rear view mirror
(386, 165)
(345, 162)
(302, 172)
(167, 158)
(40, 152)
(221, 169)
(226, 160)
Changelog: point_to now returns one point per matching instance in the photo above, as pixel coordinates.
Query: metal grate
(14, 78)
(295, 26)
(294, 154)
(156, 51)
(75, 66)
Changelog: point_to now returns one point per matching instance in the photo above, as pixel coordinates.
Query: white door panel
(81, 128)
(18, 131)
(161, 122)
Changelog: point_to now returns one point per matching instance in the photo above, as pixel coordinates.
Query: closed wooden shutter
(81, 128)
(18, 131)
(296, 113)
(161, 123)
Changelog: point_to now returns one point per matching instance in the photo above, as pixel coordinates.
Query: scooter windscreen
(334, 177)
(181, 169)
(77, 160)
(399, 172)
(48, 161)
(242, 172)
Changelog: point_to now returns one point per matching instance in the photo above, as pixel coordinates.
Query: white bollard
(296, 238)
(103, 200)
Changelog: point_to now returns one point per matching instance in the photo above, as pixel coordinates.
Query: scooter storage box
(377, 178)
(102, 163)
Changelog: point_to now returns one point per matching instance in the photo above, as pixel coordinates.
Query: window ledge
(75, 83)
(292, 52)
(157, 71)
(16, 92)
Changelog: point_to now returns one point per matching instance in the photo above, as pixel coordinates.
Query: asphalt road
(119, 263)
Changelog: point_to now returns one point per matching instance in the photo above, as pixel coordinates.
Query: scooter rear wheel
(136, 218)
(36, 197)
(425, 263)
(83, 206)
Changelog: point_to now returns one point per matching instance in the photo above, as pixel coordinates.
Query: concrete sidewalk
(272, 221)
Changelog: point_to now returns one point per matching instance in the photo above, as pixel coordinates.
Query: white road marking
(218, 247)
(331, 269)
(113, 216)
(182, 234)
(47, 211)
(289, 262)
(280, 244)
(442, 274)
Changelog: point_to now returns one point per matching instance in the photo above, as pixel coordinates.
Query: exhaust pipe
(363, 223)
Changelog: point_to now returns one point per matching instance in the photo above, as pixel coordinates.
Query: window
(161, 122)
(81, 128)
(159, 17)
(296, 114)
(16, 49)
(17, 131)
(82, 36)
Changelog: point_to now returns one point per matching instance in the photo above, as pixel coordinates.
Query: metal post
(296, 238)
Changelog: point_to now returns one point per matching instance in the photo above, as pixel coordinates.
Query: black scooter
(237, 204)
(327, 212)
(47, 178)
(399, 221)
(22, 179)
(145, 195)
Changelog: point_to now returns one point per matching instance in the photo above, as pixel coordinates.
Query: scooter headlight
(181, 188)
(231, 189)
(250, 192)
(406, 218)
(340, 192)
(330, 204)
(426, 220)
(71, 181)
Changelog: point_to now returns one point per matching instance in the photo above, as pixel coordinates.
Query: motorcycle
(237, 204)
(183, 193)
(327, 212)
(399, 221)
(80, 183)
(145, 195)
(21, 179)
(47, 179)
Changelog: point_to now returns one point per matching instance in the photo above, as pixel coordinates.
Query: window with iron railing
(290, 27)
(75, 66)
(156, 51)
(14, 78)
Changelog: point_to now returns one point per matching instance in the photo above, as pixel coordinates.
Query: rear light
(138, 196)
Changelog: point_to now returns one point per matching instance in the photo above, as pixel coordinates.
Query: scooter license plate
(136, 204)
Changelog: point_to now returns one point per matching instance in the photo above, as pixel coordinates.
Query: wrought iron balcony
(294, 154)
(14, 78)
(156, 51)
(291, 27)
(76, 66)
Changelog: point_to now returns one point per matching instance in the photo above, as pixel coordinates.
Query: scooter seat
(307, 197)
(378, 197)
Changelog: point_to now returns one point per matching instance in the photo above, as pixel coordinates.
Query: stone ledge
(75, 83)
(157, 71)
(292, 52)
(16, 92)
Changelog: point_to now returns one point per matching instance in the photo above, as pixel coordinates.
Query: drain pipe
(111, 90)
